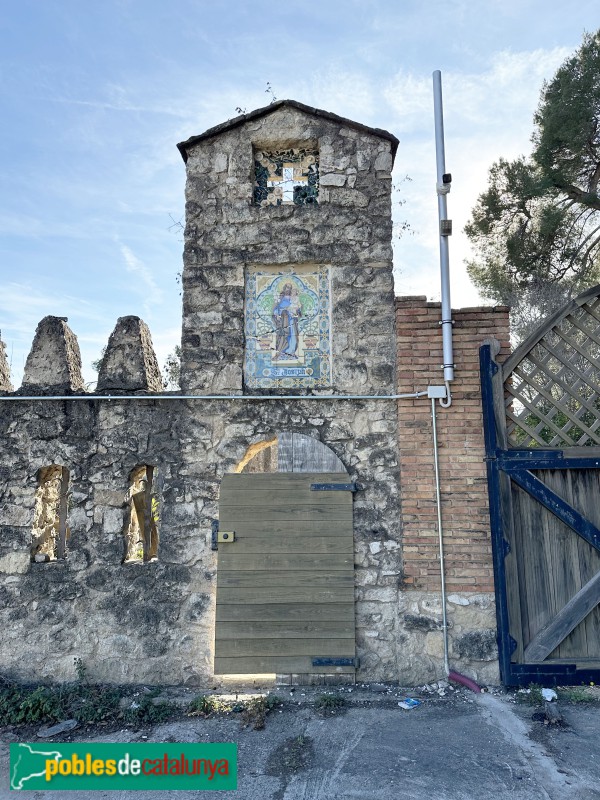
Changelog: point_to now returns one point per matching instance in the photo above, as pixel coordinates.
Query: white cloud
(486, 116)
(149, 290)
(504, 94)
(24, 225)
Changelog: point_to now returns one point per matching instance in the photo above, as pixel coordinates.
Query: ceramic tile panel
(288, 327)
(284, 177)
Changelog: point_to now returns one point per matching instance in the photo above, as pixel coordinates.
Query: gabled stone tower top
(287, 276)
(262, 112)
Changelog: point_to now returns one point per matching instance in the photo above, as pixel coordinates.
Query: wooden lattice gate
(542, 434)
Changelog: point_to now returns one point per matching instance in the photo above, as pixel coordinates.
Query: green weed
(329, 704)
(532, 695)
(20, 706)
(202, 706)
(567, 694)
(256, 710)
(92, 704)
(148, 713)
(574, 694)
(80, 669)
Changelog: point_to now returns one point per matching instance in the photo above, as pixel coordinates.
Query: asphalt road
(459, 747)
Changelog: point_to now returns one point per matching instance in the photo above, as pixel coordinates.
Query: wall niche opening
(286, 175)
(141, 531)
(50, 531)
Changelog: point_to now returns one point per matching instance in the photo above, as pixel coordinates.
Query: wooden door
(285, 584)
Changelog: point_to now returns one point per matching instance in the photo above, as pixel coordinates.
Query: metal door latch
(225, 537)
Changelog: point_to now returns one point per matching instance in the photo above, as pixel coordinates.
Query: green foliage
(172, 369)
(574, 694)
(39, 706)
(98, 362)
(22, 706)
(97, 703)
(80, 669)
(256, 710)
(92, 704)
(567, 136)
(272, 701)
(330, 703)
(536, 229)
(10, 701)
(202, 706)
(146, 712)
(535, 696)
(566, 694)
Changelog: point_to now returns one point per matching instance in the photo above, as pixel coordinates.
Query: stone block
(113, 520)
(220, 162)
(53, 365)
(15, 563)
(17, 516)
(348, 198)
(332, 179)
(458, 600)
(130, 363)
(228, 380)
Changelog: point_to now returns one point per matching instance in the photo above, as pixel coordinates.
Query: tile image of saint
(286, 313)
(287, 328)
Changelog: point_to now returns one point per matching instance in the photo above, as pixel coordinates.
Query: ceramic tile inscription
(288, 327)
(284, 177)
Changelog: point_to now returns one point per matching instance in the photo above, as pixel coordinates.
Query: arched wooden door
(285, 578)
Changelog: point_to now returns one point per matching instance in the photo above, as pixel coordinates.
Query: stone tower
(287, 291)
(288, 195)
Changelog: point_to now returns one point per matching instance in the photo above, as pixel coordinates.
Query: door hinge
(334, 487)
(323, 661)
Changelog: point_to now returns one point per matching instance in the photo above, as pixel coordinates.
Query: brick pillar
(461, 447)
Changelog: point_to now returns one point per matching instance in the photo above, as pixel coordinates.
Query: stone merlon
(53, 365)
(129, 363)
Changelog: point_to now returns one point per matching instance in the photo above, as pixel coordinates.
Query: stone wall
(465, 514)
(152, 621)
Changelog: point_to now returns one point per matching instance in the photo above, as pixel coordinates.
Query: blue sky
(95, 97)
